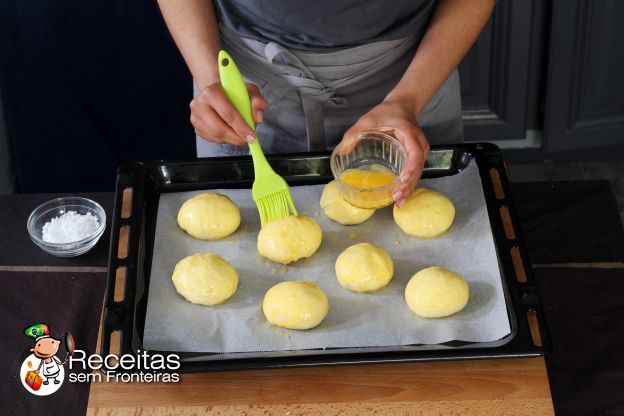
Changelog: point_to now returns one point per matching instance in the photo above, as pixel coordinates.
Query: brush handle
(236, 91)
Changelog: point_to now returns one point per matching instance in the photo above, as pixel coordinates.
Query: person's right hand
(216, 120)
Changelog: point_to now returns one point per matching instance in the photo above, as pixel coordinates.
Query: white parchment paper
(355, 320)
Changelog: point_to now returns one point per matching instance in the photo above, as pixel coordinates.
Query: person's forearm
(194, 28)
(454, 27)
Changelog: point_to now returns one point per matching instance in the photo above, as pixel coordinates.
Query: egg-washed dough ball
(425, 214)
(295, 305)
(205, 279)
(209, 216)
(435, 293)
(341, 211)
(289, 239)
(364, 267)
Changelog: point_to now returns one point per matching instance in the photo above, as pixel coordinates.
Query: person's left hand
(399, 117)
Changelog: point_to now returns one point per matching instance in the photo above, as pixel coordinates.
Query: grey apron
(313, 98)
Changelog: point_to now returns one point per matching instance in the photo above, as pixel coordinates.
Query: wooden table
(478, 387)
(483, 387)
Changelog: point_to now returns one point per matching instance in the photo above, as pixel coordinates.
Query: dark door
(585, 93)
(496, 75)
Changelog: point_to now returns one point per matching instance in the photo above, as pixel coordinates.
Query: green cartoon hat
(37, 331)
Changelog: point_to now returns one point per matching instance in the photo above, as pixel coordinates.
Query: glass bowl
(56, 207)
(372, 150)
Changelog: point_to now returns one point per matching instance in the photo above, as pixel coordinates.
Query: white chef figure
(45, 349)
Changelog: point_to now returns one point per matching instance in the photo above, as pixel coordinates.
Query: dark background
(101, 82)
(94, 83)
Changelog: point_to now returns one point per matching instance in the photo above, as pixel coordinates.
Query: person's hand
(398, 117)
(216, 120)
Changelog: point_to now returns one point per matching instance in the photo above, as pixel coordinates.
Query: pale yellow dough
(209, 216)
(435, 293)
(341, 211)
(289, 239)
(295, 305)
(426, 214)
(205, 279)
(364, 267)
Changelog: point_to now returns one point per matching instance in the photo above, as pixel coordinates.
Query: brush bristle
(275, 206)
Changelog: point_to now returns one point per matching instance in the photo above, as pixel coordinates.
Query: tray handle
(121, 288)
(524, 286)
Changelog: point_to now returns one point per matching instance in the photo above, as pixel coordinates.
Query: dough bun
(425, 214)
(435, 293)
(205, 279)
(209, 216)
(289, 239)
(341, 211)
(364, 267)
(295, 305)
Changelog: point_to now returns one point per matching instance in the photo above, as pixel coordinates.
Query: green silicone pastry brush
(270, 191)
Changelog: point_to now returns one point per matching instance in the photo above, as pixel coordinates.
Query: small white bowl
(56, 207)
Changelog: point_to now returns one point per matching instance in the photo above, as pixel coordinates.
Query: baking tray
(140, 184)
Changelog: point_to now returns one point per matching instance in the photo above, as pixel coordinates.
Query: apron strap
(285, 71)
(315, 125)
(292, 75)
(313, 93)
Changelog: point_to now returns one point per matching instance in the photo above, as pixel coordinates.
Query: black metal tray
(125, 306)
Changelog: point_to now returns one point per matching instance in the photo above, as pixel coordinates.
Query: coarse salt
(70, 227)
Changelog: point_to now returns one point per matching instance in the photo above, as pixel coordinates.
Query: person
(319, 71)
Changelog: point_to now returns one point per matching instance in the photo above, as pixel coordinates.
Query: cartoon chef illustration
(45, 349)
